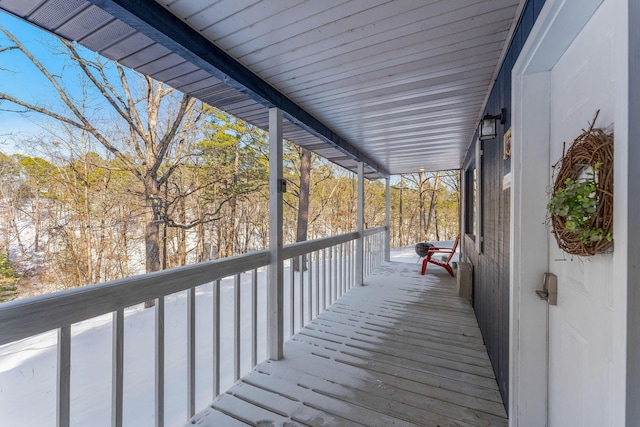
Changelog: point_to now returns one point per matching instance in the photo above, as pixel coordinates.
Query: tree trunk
(124, 244)
(38, 222)
(421, 211)
(200, 246)
(152, 230)
(220, 242)
(152, 247)
(16, 229)
(434, 200)
(247, 235)
(302, 224)
(182, 233)
(231, 228)
(233, 203)
(97, 271)
(85, 232)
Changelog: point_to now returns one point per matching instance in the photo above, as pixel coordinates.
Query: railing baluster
(372, 264)
(349, 262)
(372, 248)
(353, 263)
(366, 258)
(117, 369)
(365, 247)
(159, 363)
(330, 275)
(301, 293)
(370, 253)
(338, 274)
(324, 279)
(310, 287)
(291, 298)
(344, 268)
(339, 259)
(254, 317)
(236, 327)
(374, 253)
(345, 284)
(338, 271)
(341, 272)
(64, 377)
(191, 352)
(364, 255)
(317, 283)
(369, 260)
(216, 338)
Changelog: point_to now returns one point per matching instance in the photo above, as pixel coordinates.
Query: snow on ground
(28, 367)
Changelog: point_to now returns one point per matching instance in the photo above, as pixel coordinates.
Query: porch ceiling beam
(160, 25)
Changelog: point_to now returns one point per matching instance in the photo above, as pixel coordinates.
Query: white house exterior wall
(574, 63)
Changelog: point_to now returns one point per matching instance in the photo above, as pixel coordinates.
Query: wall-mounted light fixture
(488, 124)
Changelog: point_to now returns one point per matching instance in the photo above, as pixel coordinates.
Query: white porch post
(387, 233)
(360, 241)
(275, 291)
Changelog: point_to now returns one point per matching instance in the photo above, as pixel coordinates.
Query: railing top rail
(375, 230)
(301, 248)
(25, 318)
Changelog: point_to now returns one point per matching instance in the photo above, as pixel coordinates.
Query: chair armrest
(447, 250)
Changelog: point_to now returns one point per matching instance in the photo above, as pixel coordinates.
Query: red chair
(445, 263)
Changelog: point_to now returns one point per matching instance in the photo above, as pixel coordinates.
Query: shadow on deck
(404, 350)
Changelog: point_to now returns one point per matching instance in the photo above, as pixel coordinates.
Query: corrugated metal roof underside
(402, 81)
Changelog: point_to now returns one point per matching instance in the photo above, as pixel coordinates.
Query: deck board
(404, 350)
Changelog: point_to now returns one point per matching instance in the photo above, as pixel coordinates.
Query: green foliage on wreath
(577, 203)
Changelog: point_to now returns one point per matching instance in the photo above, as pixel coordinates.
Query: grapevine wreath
(581, 205)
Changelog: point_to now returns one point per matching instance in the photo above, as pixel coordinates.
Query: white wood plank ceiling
(399, 84)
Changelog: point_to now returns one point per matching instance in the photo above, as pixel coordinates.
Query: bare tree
(154, 118)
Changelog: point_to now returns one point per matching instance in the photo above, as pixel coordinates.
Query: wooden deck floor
(403, 350)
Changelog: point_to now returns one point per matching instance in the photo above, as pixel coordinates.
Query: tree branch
(84, 125)
(185, 105)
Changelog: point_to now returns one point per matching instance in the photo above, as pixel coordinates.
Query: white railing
(374, 245)
(326, 270)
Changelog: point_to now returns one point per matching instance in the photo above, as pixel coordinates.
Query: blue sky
(24, 80)
(20, 78)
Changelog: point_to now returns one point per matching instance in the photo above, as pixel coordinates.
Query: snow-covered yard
(28, 367)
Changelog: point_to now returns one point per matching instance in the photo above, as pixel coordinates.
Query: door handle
(549, 292)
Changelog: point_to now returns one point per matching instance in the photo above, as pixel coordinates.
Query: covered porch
(402, 350)
(380, 88)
